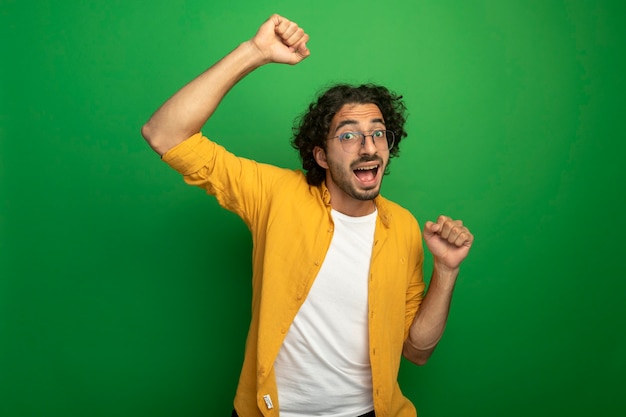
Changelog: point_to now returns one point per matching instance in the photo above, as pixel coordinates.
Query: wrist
(254, 54)
(444, 275)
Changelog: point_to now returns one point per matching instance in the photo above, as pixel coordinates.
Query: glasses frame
(389, 135)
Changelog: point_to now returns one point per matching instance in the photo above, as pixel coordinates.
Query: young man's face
(354, 177)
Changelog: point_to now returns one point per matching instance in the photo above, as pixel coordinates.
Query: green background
(123, 292)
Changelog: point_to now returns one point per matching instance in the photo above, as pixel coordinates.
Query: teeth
(366, 168)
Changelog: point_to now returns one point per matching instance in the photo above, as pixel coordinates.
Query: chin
(367, 195)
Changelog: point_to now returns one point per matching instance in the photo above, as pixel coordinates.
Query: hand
(282, 41)
(448, 241)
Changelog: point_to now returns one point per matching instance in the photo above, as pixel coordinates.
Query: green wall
(123, 292)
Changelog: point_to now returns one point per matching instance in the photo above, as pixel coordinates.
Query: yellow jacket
(291, 228)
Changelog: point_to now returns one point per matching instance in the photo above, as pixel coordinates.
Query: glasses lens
(352, 142)
(390, 139)
(381, 139)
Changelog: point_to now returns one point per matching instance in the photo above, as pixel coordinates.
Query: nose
(368, 147)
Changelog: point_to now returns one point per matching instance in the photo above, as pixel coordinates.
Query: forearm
(430, 320)
(189, 109)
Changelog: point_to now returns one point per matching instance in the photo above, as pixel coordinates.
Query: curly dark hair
(311, 128)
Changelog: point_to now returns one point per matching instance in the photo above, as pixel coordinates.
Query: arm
(449, 242)
(278, 40)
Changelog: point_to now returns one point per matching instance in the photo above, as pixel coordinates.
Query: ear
(320, 157)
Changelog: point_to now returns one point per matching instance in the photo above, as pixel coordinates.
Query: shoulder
(281, 175)
(287, 183)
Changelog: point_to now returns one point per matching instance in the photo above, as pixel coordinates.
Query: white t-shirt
(323, 367)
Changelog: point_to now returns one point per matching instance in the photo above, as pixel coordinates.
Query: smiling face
(353, 179)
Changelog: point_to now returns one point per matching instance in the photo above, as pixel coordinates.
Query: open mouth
(368, 174)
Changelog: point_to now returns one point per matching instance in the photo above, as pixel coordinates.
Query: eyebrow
(354, 122)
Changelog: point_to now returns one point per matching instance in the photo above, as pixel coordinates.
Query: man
(337, 269)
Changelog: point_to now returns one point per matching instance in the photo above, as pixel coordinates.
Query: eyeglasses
(352, 142)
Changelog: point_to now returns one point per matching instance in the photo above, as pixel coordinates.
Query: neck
(355, 208)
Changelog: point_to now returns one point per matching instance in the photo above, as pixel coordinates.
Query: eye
(378, 134)
(348, 136)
